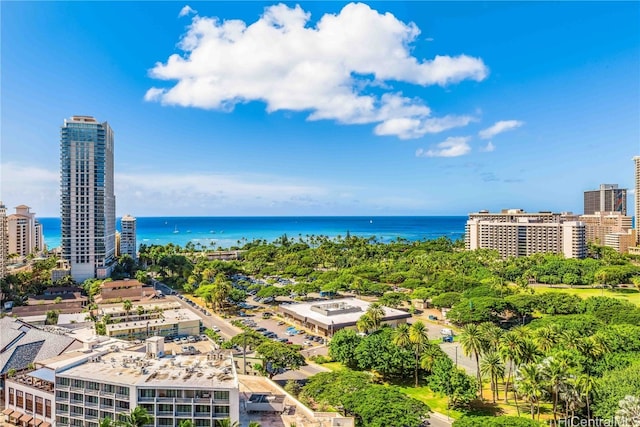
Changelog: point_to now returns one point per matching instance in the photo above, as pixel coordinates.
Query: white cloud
(326, 69)
(499, 127)
(407, 128)
(488, 148)
(187, 10)
(36, 187)
(451, 147)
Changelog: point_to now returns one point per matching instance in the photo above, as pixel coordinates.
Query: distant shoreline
(224, 232)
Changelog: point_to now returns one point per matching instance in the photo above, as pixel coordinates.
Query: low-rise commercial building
(327, 317)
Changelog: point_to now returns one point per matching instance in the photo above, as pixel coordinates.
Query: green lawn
(436, 402)
(334, 366)
(628, 294)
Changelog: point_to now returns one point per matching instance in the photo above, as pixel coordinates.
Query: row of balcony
(205, 400)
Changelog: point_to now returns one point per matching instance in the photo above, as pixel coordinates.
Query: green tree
(127, 305)
(185, 423)
(138, 417)
(342, 347)
(277, 356)
(414, 337)
(530, 385)
(106, 422)
(376, 314)
(491, 366)
(472, 345)
(226, 422)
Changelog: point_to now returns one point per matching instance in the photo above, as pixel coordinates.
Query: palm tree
(365, 323)
(586, 385)
(471, 341)
(127, 305)
(138, 417)
(492, 367)
(510, 351)
(185, 423)
(545, 338)
(415, 337)
(226, 422)
(376, 313)
(556, 374)
(105, 422)
(254, 424)
(530, 385)
(491, 335)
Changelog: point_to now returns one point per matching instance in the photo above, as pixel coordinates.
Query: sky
(325, 108)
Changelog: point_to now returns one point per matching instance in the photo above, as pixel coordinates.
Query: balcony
(165, 413)
(146, 399)
(204, 414)
(183, 414)
(122, 396)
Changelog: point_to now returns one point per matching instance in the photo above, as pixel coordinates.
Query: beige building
(621, 241)
(25, 232)
(599, 224)
(515, 233)
(4, 241)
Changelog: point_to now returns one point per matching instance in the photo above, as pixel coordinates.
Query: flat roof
(342, 317)
(45, 374)
(211, 370)
(171, 317)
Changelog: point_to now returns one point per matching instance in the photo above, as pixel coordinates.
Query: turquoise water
(229, 231)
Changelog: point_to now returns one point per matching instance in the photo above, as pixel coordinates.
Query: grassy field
(628, 294)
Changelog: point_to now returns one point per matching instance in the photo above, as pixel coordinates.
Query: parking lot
(282, 330)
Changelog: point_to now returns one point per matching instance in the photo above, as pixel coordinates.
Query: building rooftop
(22, 344)
(212, 370)
(339, 312)
(169, 317)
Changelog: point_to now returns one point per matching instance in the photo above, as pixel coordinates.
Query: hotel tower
(88, 203)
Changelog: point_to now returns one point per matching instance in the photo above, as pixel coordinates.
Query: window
(91, 385)
(122, 390)
(108, 388)
(47, 408)
(62, 420)
(123, 404)
(77, 383)
(62, 407)
(19, 399)
(91, 400)
(62, 381)
(76, 410)
(39, 405)
(11, 398)
(92, 413)
(62, 395)
(147, 393)
(77, 397)
(106, 402)
(221, 410)
(221, 395)
(29, 402)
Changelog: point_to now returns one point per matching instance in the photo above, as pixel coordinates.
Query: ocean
(224, 232)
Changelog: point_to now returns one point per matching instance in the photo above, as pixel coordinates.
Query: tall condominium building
(609, 198)
(636, 211)
(88, 201)
(25, 232)
(4, 240)
(514, 233)
(128, 236)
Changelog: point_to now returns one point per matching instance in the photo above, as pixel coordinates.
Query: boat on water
(175, 230)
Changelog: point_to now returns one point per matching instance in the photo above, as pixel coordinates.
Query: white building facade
(516, 234)
(128, 244)
(86, 387)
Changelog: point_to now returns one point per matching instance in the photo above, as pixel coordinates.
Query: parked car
(447, 338)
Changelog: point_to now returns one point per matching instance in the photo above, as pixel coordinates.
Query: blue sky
(325, 108)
